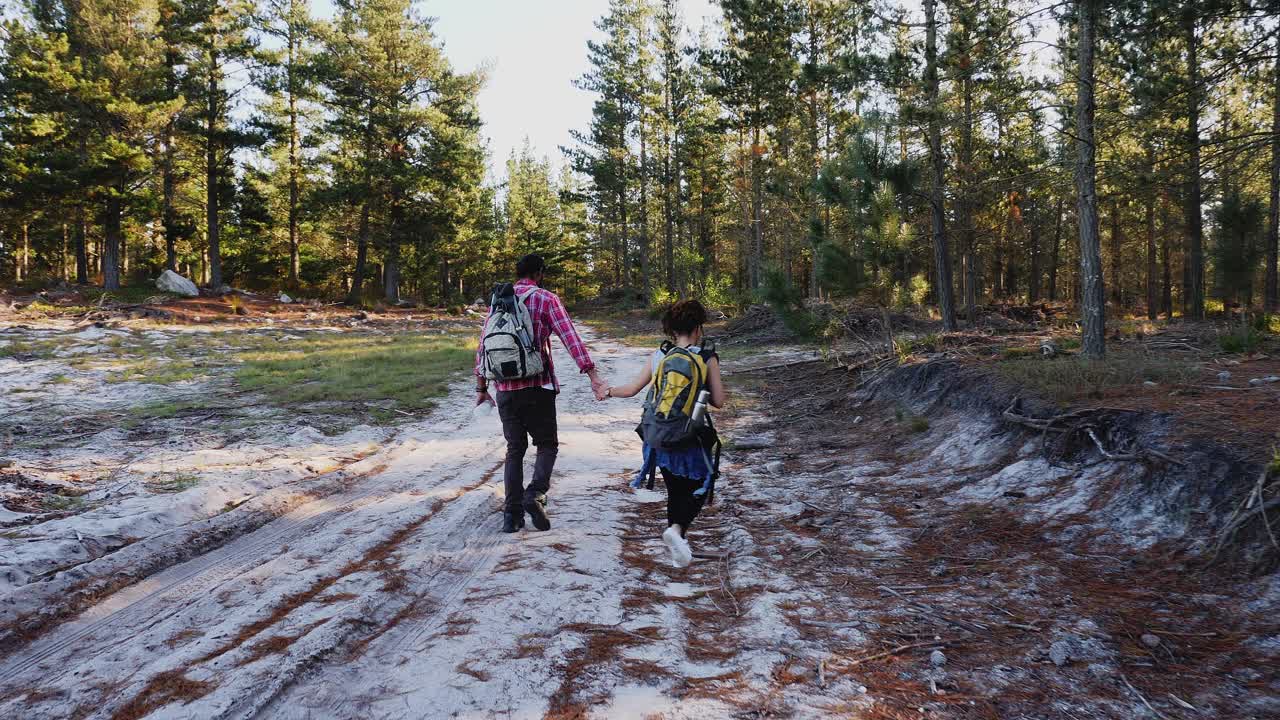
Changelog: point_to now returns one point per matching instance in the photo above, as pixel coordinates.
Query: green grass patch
(1011, 353)
(175, 483)
(376, 375)
(44, 308)
(62, 503)
(131, 295)
(35, 350)
(157, 371)
(915, 423)
(159, 410)
(1067, 378)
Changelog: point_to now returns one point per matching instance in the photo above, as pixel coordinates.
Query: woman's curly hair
(683, 318)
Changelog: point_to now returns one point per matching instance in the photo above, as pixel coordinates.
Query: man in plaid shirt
(527, 406)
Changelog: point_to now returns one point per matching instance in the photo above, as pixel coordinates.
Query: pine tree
(1239, 221)
(288, 79)
(755, 79)
(386, 73)
(220, 40)
(100, 81)
(604, 153)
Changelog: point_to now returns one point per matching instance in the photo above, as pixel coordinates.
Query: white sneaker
(681, 554)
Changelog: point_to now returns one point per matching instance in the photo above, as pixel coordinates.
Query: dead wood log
(778, 366)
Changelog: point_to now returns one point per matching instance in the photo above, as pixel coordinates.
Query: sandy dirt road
(396, 598)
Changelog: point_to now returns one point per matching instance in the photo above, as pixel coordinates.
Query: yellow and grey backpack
(667, 424)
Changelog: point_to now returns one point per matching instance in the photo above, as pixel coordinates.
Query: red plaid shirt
(548, 314)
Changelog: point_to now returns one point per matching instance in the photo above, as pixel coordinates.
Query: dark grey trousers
(525, 414)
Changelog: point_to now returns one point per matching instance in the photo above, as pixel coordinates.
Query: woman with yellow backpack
(683, 377)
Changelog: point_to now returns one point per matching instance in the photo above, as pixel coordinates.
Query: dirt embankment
(1062, 564)
(1149, 480)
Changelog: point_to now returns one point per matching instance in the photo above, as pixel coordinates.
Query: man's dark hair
(530, 265)
(683, 318)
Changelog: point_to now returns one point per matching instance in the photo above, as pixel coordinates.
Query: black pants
(526, 413)
(682, 505)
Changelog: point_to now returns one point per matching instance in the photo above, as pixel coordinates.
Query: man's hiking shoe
(536, 506)
(681, 553)
(512, 522)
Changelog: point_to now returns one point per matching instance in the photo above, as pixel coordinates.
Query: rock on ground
(170, 281)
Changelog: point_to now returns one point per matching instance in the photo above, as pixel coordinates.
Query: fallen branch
(900, 648)
(1110, 456)
(832, 625)
(1076, 421)
(962, 624)
(1150, 707)
(724, 585)
(1253, 504)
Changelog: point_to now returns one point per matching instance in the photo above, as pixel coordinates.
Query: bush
(1240, 342)
(787, 301)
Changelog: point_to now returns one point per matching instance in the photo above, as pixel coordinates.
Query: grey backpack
(508, 342)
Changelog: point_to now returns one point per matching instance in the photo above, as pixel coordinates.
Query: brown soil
(961, 585)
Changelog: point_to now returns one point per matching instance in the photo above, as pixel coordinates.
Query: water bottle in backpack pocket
(508, 344)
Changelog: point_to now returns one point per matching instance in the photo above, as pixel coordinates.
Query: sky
(533, 51)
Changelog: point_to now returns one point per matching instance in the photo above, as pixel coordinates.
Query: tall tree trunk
(1117, 244)
(362, 254)
(1033, 237)
(111, 222)
(706, 238)
(814, 159)
(24, 257)
(644, 208)
(391, 269)
(624, 241)
(294, 255)
(670, 173)
(212, 175)
(1166, 295)
(965, 210)
(168, 171)
(62, 256)
(1093, 295)
(942, 256)
(169, 215)
(756, 268)
(1054, 256)
(124, 257)
(82, 250)
(1195, 227)
(1152, 300)
(1272, 302)
(391, 259)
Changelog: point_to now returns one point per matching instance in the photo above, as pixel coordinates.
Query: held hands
(599, 387)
